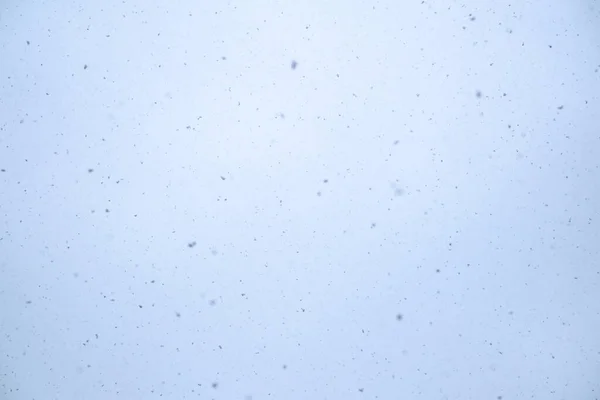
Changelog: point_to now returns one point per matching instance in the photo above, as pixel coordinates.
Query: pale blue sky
(412, 212)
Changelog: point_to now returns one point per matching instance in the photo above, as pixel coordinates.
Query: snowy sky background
(412, 212)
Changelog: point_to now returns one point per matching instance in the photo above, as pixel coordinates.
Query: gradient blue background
(411, 213)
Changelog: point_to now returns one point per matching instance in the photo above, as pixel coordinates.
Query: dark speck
(325, 180)
(399, 317)
(212, 302)
(191, 244)
(222, 178)
(284, 366)
(28, 302)
(90, 170)
(561, 107)
(107, 210)
(437, 270)
(85, 66)
(140, 306)
(478, 94)
(472, 18)
(361, 390)
(28, 43)
(2, 170)
(178, 315)
(215, 385)
(294, 64)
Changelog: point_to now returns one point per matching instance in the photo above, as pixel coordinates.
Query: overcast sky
(300, 200)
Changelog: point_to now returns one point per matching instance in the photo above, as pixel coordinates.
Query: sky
(300, 200)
